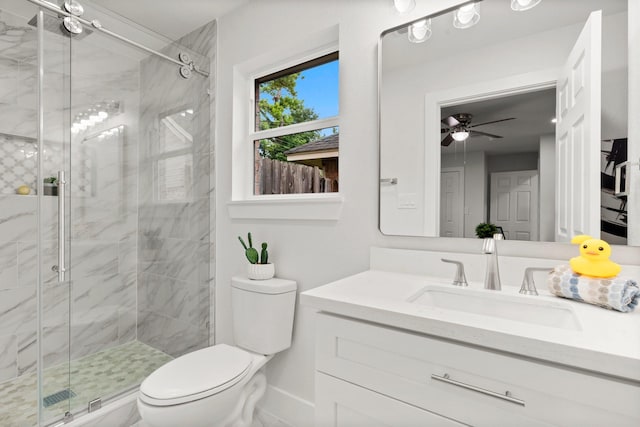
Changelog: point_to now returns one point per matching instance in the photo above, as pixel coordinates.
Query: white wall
(315, 253)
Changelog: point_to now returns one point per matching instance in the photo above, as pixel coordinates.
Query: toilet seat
(196, 375)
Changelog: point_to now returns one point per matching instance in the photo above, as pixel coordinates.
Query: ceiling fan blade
(447, 141)
(450, 121)
(494, 121)
(478, 133)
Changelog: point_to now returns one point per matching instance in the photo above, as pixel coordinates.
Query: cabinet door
(342, 404)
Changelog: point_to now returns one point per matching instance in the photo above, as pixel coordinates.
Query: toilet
(220, 385)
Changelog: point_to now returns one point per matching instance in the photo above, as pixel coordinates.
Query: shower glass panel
(19, 215)
(53, 84)
(136, 297)
(132, 137)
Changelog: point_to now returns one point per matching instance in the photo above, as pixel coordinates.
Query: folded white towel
(616, 293)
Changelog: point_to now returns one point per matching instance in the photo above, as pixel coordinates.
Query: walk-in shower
(104, 207)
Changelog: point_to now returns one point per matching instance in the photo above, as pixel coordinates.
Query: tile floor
(102, 374)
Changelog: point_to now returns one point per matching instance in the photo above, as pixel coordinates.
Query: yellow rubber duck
(594, 258)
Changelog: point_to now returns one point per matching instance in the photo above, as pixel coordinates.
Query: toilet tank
(263, 313)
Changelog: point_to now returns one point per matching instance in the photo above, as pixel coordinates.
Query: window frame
(243, 203)
(312, 125)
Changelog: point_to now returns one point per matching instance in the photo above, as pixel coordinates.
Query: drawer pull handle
(506, 396)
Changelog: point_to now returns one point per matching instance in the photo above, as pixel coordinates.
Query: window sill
(325, 207)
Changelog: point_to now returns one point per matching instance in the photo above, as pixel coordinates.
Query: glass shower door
(139, 159)
(52, 83)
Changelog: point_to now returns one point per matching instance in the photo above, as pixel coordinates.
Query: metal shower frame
(187, 66)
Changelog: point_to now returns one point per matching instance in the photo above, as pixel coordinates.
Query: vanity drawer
(400, 364)
(342, 404)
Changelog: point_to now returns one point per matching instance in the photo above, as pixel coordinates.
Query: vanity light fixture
(522, 5)
(466, 16)
(420, 31)
(460, 134)
(404, 6)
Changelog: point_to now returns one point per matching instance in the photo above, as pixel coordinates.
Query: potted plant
(486, 229)
(259, 267)
(50, 186)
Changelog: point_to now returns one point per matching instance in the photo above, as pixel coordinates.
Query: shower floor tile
(104, 374)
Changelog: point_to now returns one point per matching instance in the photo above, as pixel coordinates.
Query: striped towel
(615, 293)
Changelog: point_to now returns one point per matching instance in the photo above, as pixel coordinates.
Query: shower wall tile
(17, 310)
(93, 331)
(27, 263)
(174, 258)
(174, 244)
(8, 351)
(172, 336)
(173, 298)
(93, 258)
(127, 325)
(8, 265)
(26, 358)
(18, 120)
(17, 218)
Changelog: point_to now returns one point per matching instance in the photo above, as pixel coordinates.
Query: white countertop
(607, 341)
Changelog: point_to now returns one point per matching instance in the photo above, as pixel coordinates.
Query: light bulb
(466, 16)
(420, 31)
(460, 135)
(404, 6)
(522, 5)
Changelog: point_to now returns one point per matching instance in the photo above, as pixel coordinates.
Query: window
(295, 135)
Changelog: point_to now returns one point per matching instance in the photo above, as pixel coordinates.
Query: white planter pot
(261, 271)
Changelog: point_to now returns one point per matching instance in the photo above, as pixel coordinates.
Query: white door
(578, 136)
(452, 202)
(514, 204)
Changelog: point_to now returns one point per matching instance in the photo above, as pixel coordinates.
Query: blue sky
(319, 89)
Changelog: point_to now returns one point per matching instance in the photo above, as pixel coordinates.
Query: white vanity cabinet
(371, 375)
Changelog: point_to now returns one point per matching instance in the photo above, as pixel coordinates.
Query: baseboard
(291, 409)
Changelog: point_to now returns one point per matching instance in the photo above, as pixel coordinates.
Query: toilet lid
(196, 375)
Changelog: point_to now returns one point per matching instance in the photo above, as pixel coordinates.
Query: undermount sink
(499, 305)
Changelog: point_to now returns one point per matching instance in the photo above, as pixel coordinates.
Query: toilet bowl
(219, 386)
(215, 386)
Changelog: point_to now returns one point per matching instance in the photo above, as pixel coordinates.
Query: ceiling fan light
(466, 16)
(404, 6)
(522, 5)
(460, 135)
(420, 31)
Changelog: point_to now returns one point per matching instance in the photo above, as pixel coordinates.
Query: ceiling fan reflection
(459, 128)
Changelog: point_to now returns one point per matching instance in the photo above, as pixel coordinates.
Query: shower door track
(185, 65)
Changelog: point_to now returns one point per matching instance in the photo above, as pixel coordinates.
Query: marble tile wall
(174, 243)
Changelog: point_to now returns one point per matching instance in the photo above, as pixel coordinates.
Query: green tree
(279, 106)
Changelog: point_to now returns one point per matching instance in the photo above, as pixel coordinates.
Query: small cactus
(250, 252)
(264, 255)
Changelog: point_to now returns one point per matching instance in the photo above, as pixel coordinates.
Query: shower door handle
(61, 230)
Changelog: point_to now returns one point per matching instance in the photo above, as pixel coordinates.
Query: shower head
(54, 24)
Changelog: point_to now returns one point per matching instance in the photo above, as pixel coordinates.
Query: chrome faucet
(528, 285)
(460, 279)
(492, 275)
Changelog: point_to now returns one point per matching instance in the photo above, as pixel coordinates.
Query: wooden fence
(277, 177)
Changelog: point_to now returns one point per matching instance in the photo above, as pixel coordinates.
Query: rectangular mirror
(516, 118)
